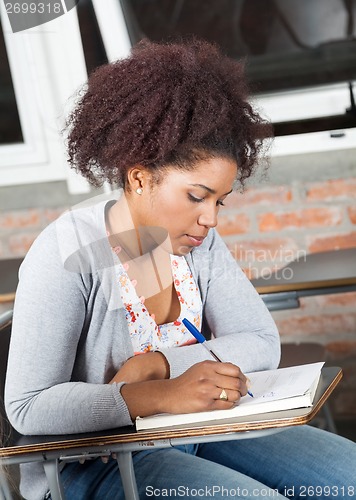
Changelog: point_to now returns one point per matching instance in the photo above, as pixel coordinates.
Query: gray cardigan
(70, 334)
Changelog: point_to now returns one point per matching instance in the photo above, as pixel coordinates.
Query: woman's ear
(138, 178)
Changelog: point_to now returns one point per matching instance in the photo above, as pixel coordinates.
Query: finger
(231, 383)
(232, 396)
(230, 370)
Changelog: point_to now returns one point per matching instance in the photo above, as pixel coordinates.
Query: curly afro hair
(167, 104)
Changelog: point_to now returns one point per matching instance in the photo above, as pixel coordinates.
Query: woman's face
(186, 203)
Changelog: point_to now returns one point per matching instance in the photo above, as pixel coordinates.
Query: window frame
(113, 29)
(311, 102)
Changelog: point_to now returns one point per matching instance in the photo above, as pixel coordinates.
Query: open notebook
(273, 390)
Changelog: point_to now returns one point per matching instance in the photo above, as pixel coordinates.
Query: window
(47, 67)
(10, 127)
(93, 47)
(289, 43)
(301, 57)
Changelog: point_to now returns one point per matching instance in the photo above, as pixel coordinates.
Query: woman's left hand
(143, 367)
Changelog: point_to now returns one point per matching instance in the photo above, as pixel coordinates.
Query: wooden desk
(316, 274)
(51, 450)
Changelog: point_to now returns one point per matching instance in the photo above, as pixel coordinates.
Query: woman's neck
(141, 248)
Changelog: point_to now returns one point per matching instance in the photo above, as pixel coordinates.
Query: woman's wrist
(146, 398)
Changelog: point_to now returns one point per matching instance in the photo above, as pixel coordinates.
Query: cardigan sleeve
(50, 320)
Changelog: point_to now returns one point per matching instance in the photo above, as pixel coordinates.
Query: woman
(97, 333)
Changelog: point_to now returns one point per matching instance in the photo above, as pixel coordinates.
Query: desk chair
(73, 447)
(51, 450)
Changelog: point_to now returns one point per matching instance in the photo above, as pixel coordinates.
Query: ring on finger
(223, 395)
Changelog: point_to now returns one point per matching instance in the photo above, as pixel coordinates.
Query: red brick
(277, 250)
(325, 324)
(19, 219)
(325, 242)
(20, 244)
(352, 213)
(277, 195)
(310, 217)
(233, 224)
(331, 190)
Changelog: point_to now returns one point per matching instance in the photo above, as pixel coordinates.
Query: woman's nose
(209, 217)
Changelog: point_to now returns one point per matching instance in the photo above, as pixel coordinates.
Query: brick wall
(306, 205)
(19, 228)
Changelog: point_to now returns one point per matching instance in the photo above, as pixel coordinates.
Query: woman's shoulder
(85, 220)
(74, 231)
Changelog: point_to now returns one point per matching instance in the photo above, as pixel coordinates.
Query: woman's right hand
(200, 387)
(197, 389)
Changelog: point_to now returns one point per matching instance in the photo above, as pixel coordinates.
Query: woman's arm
(197, 389)
(50, 319)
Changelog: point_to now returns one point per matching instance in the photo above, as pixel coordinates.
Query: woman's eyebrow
(212, 191)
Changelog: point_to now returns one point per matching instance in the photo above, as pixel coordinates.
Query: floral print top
(145, 334)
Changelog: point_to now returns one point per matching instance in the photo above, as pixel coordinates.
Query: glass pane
(10, 127)
(289, 43)
(94, 51)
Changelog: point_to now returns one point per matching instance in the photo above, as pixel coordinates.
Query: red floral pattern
(145, 334)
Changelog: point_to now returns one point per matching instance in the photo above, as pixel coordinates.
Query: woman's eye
(195, 199)
(221, 203)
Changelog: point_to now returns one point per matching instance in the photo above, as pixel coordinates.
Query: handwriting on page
(272, 385)
(277, 384)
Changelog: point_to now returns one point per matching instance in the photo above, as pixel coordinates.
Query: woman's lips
(195, 240)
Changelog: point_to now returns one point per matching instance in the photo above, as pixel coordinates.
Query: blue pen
(202, 340)
(199, 337)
